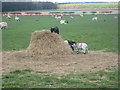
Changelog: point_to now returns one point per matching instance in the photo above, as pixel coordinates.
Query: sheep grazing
(8, 17)
(55, 30)
(71, 17)
(81, 15)
(63, 22)
(17, 18)
(3, 25)
(81, 46)
(58, 16)
(94, 18)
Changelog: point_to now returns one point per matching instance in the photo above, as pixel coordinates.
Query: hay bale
(46, 43)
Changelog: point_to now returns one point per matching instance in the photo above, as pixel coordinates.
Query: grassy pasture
(35, 79)
(99, 35)
(89, 6)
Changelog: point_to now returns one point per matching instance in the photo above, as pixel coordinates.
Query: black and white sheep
(71, 43)
(63, 22)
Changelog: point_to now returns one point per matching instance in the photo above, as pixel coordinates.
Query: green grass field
(99, 35)
(89, 6)
(33, 79)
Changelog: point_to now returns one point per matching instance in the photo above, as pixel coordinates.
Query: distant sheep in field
(58, 16)
(81, 15)
(55, 30)
(63, 22)
(17, 18)
(8, 17)
(94, 18)
(71, 17)
(3, 25)
(81, 46)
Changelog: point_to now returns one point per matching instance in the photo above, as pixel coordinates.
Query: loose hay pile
(46, 43)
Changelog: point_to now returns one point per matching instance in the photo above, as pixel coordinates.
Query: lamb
(8, 17)
(71, 17)
(82, 46)
(58, 17)
(81, 15)
(3, 25)
(63, 22)
(17, 18)
(94, 18)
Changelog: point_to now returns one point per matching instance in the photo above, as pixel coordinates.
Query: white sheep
(8, 17)
(81, 46)
(71, 17)
(63, 22)
(17, 18)
(94, 18)
(58, 17)
(3, 25)
(81, 15)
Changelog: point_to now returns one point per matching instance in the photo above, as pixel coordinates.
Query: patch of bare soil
(61, 64)
(48, 52)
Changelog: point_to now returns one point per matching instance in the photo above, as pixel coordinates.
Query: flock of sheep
(65, 21)
(74, 45)
(4, 25)
(60, 17)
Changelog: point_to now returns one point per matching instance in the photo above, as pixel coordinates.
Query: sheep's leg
(78, 50)
(85, 50)
(72, 47)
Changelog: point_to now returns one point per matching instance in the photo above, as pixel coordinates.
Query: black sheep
(71, 43)
(55, 30)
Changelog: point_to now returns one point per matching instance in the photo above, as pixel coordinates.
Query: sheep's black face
(55, 30)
